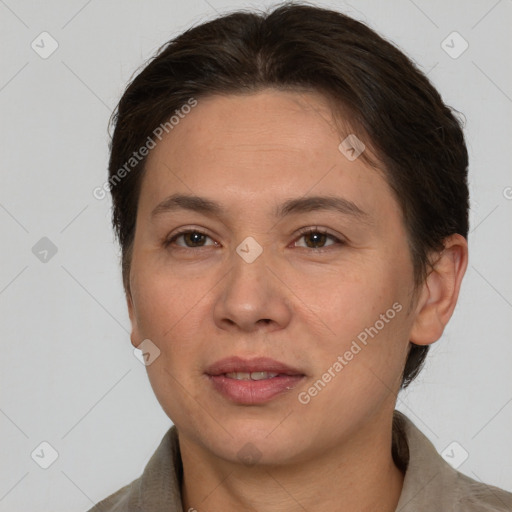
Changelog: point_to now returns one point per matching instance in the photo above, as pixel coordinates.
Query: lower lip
(251, 392)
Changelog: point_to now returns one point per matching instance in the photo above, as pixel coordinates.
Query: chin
(256, 442)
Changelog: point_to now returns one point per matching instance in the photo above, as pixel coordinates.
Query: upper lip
(258, 364)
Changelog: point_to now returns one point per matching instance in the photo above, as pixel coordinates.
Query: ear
(135, 335)
(440, 291)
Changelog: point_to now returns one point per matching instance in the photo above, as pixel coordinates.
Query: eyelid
(340, 240)
(169, 239)
(324, 231)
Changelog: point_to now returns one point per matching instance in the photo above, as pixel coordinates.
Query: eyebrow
(292, 206)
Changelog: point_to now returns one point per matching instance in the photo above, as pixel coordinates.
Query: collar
(430, 483)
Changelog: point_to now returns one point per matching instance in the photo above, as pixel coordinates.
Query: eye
(318, 236)
(191, 237)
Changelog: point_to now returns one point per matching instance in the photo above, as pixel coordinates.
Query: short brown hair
(416, 137)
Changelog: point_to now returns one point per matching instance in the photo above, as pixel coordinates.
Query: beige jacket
(430, 484)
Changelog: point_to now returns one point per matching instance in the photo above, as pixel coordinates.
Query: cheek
(367, 314)
(361, 369)
(352, 300)
(172, 311)
(163, 300)
(173, 318)
(176, 392)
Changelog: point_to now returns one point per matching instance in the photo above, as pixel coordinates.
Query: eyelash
(302, 232)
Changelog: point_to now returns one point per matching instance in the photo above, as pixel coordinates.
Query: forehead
(260, 147)
(269, 121)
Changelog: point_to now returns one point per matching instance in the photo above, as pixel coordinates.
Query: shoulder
(431, 483)
(477, 496)
(158, 489)
(120, 501)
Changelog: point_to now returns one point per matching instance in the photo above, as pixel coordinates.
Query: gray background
(68, 373)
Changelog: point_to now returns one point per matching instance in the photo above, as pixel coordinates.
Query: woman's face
(329, 310)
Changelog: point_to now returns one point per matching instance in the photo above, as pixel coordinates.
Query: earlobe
(440, 291)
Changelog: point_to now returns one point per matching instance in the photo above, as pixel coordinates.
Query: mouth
(254, 368)
(251, 375)
(252, 381)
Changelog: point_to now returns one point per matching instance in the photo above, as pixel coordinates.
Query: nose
(252, 297)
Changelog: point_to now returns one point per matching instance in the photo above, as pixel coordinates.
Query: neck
(357, 475)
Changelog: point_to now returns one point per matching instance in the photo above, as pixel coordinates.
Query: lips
(252, 381)
(255, 365)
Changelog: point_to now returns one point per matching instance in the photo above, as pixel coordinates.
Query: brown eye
(191, 239)
(317, 238)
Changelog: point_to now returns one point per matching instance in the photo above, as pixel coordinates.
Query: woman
(290, 195)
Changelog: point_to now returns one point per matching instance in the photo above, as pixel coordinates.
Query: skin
(302, 304)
